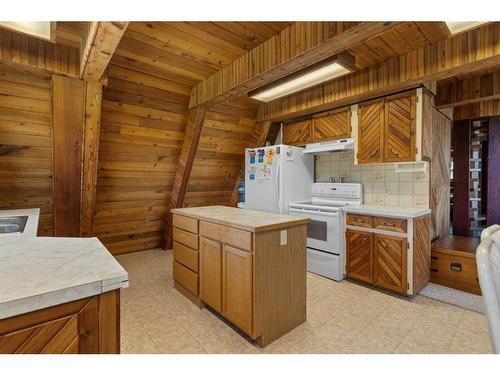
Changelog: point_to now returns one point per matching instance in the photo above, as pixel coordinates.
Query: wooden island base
(248, 266)
(86, 326)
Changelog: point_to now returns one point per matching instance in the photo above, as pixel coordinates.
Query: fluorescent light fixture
(456, 27)
(38, 29)
(308, 77)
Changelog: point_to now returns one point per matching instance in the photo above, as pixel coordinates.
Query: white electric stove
(325, 231)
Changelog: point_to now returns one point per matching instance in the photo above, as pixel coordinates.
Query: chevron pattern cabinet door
(333, 126)
(359, 255)
(297, 133)
(399, 129)
(371, 132)
(389, 263)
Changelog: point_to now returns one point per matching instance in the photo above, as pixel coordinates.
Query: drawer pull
(389, 224)
(359, 221)
(455, 266)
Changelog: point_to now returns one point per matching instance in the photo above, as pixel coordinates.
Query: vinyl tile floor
(342, 317)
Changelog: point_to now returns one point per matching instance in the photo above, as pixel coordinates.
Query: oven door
(323, 231)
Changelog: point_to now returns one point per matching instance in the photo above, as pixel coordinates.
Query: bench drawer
(455, 271)
(185, 238)
(186, 223)
(186, 256)
(365, 221)
(187, 278)
(236, 237)
(390, 223)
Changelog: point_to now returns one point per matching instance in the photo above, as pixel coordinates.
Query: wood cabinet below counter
(383, 252)
(231, 260)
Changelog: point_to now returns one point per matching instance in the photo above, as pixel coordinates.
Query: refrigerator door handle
(278, 185)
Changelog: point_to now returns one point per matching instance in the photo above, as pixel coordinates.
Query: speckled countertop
(31, 227)
(249, 220)
(39, 272)
(388, 211)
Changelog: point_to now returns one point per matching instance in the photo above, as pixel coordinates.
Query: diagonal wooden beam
(260, 135)
(192, 134)
(99, 42)
(298, 46)
(468, 52)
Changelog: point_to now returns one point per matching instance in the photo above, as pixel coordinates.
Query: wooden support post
(190, 144)
(68, 104)
(461, 177)
(92, 126)
(260, 136)
(493, 167)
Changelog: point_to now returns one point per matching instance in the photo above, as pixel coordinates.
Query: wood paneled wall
(142, 130)
(25, 50)
(26, 178)
(228, 129)
(463, 53)
(477, 110)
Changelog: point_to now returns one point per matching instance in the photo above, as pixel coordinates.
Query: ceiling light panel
(456, 27)
(37, 29)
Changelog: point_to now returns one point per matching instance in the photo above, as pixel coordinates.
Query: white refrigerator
(277, 175)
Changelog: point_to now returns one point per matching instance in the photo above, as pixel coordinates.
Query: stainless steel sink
(13, 224)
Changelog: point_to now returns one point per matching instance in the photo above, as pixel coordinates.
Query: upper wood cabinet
(334, 125)
(399, 138)
(297, 133)
(386, 129)
(371, 132)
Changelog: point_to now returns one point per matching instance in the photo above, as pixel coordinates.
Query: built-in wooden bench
(453, 263)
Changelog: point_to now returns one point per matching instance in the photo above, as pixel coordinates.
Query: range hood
(328, 146)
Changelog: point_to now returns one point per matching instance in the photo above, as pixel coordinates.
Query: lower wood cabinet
(359, 255)
(237, 287)
(388, 253)
(389, 262)
(211, 273)
(86, 326)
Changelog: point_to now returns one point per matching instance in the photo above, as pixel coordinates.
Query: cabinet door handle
(373, 153)
(389, 224)
(364, 240)
(455, 266)
(394, 152)
(383, 244)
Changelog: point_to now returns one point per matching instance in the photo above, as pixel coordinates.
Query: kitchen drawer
(236, 237)
(187, 278)
(390, 223)
(455, 270)
(185, 238)
(365, 221)
(186, 223)
(186, 256)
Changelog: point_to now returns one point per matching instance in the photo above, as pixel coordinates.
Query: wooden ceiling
(188, 52)
(404, 38)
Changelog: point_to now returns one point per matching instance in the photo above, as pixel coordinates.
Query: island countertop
(249, 220)
(40, 272)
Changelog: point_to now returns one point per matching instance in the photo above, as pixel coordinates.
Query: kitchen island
(248, 266)
(59, 295)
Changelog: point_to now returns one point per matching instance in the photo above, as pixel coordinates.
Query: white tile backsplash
(381, 184)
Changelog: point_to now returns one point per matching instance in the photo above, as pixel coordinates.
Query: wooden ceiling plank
(234, 39)
(99, 43)
(252, 71)
(442, 60)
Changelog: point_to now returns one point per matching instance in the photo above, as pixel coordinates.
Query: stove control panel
(337, 190)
